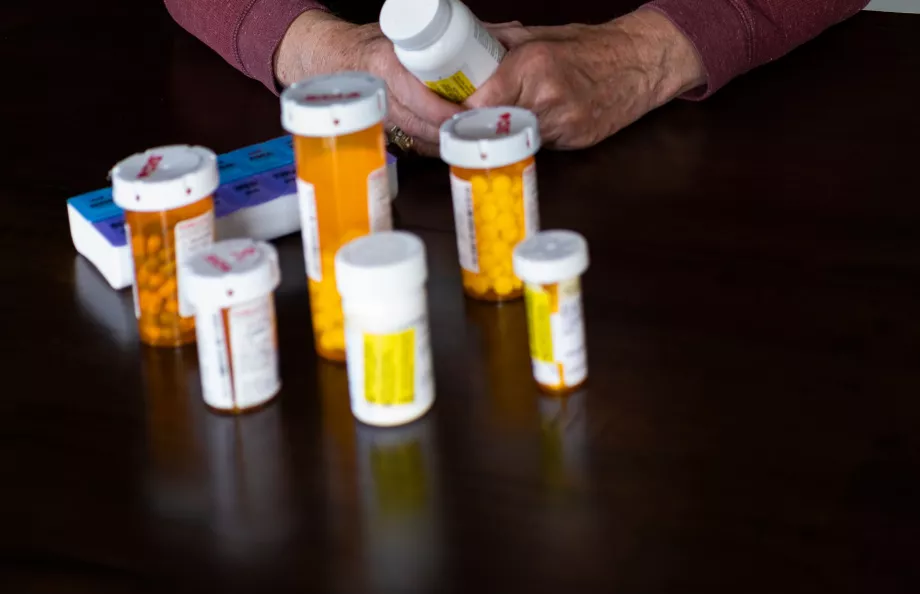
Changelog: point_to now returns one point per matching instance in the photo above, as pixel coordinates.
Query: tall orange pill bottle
(166, 194)
(493, 181)
(342, 184)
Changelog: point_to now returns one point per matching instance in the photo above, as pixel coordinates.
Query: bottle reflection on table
(563, 442)
(217, 482)
(388, 475)
(506, 353)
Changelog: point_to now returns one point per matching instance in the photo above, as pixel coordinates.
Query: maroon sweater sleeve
(734, 36)
(245, 32)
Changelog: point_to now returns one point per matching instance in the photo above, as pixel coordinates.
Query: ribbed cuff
(721, 33)
(260, 31)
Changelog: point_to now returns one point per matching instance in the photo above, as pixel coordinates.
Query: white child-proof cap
(550, 257)
(333, 104)
(164, 178)
(489, 137)
(387, 263)
(414, 24)
(231, 272)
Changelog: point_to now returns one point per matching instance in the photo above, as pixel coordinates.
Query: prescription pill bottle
(551, 264)
(167, 196)
(232, 286)
(442, 44)
(493, 181)
(342, 182)
(381, 278)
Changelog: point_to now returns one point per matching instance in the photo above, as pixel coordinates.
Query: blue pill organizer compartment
(257, 198)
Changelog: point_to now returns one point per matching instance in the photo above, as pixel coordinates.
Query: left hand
(586, 82)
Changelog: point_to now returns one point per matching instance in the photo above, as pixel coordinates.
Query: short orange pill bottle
(342, 182)
(551, 264)
(493, 180)
(167, 196)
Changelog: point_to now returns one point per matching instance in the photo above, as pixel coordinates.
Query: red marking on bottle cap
(218, 263)
(188, 190)
(150, 166)
(335, 122)
(503, 125)
(241, 255)
(229, 292)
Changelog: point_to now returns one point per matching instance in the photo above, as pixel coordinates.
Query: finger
(422, 102)
(511, 36)
(502, 25)
(419, 130)
(502, 88)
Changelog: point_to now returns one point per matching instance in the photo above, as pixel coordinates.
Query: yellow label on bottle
(457, 87)
(538, 323)
(389, 368)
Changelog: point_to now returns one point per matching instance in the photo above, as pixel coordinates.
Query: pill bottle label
(192, 236)
(489, 43)
(309, 229)
(557, 339)
(456, 87)
(134, 293)
(390, 369)
(241, 372)
(531, 207)
(379, 210)
(462, 194)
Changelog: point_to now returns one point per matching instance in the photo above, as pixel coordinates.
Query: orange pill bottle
(342, 183)
(551, 264)
(493, 181)
(167, 196)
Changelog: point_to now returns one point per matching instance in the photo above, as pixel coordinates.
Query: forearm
(246, 33)
(734, 36)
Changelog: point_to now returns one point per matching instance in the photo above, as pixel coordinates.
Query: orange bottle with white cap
(493, 180)
(342, 183)
(167, 196)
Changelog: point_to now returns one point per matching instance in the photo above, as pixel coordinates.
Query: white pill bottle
(442, 44)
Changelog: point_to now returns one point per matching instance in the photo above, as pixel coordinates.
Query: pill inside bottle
(551, 264)
(232, 286)
(167, 196)
(493, 180)
(342, 182)
(382, 281)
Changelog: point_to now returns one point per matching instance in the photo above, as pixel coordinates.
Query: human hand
(320, 43)
(586, 82)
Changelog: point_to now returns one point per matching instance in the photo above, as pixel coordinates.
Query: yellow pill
(168, 319)
(323, 321)
(500, 250)
(479, 285)
(488, 212)
(504, 202)
(152, 265)
(517, 187)
(488, 232)
(167, 289)
(510, 234)
(480, 184)
(155, 281)
(501, 184)
(150, 303)
(504, 221)
(498, 271)
(142, 276)
(138, 246)
(154, 243)
(171, 306)
(333, 340)
(504, 286)
(488, 262)
(517, 283)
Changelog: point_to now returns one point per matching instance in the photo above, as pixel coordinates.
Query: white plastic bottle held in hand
(551, 264)
(443, 44)
(232, 286)
(381, 278)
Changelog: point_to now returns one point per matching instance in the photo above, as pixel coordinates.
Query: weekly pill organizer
(257, 198)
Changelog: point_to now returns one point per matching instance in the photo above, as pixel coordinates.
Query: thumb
(501, 89)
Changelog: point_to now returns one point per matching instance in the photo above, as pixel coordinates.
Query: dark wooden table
(753, 311)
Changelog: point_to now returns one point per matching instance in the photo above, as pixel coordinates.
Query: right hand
(320, 43)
